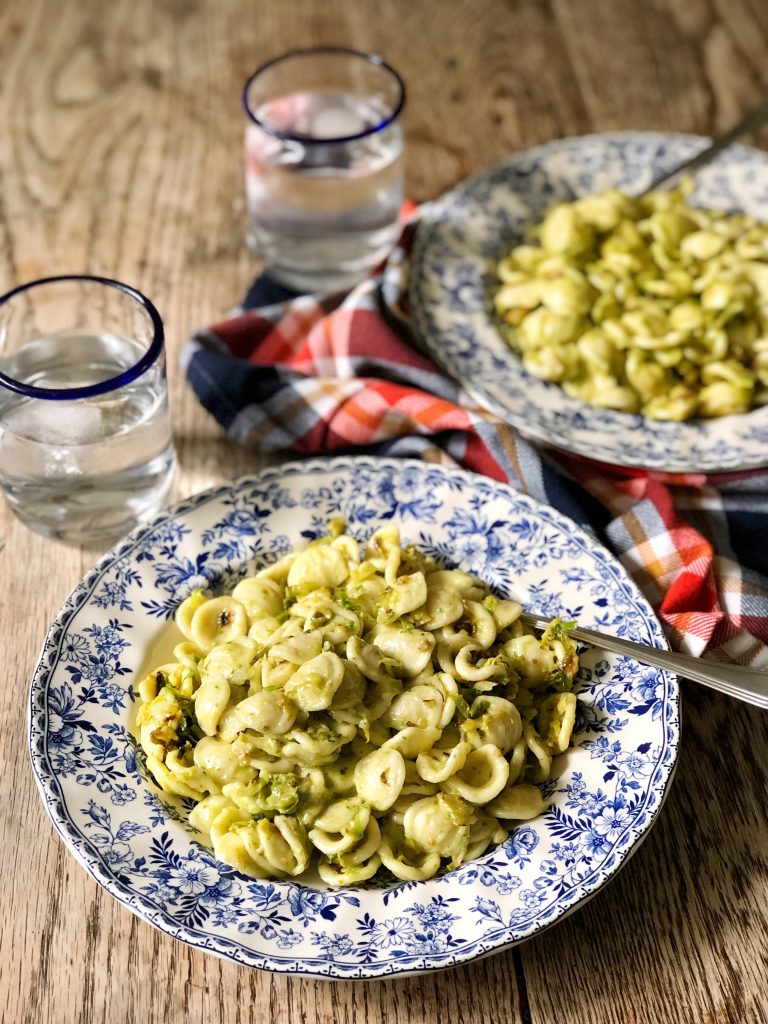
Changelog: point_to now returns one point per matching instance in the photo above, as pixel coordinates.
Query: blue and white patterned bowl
(461, 237)
(604, 797)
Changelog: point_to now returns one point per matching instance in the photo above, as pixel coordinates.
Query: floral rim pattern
(604, 796)
(461, 237)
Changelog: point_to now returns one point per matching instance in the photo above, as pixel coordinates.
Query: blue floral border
(438, 912)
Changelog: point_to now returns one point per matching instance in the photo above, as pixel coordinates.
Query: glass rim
(147, 359)
(314, 51)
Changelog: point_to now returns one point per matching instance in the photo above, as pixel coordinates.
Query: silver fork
(751, 121)
(747, 684)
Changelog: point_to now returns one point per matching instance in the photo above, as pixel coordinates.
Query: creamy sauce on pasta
(362, 707)
(645, 305)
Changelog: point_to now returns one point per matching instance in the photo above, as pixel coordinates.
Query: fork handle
(749, 123)
(747, 684)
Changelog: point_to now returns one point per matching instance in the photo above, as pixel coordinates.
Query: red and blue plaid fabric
(322, 375)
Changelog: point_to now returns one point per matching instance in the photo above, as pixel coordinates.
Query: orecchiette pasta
(643, 305)
(374, 711)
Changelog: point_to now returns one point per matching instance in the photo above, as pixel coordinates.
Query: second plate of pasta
(295, 720)
(462, 247)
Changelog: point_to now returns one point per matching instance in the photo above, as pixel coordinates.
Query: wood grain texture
(121, 154)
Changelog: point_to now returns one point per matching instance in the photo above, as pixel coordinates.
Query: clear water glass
(85, 436)
(323, 166)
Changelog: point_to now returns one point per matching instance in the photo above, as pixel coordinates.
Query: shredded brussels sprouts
(645, 305)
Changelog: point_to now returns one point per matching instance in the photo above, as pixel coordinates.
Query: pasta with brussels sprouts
(645, 305)
(367, 707)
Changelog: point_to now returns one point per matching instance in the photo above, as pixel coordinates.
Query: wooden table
(120, 153)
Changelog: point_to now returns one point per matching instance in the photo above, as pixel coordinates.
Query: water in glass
(90, 466)
(323, 212)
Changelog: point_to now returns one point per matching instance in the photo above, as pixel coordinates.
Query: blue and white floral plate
(604, 797)
(461, 237)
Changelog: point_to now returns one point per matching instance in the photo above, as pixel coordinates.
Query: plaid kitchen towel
(318, 375)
